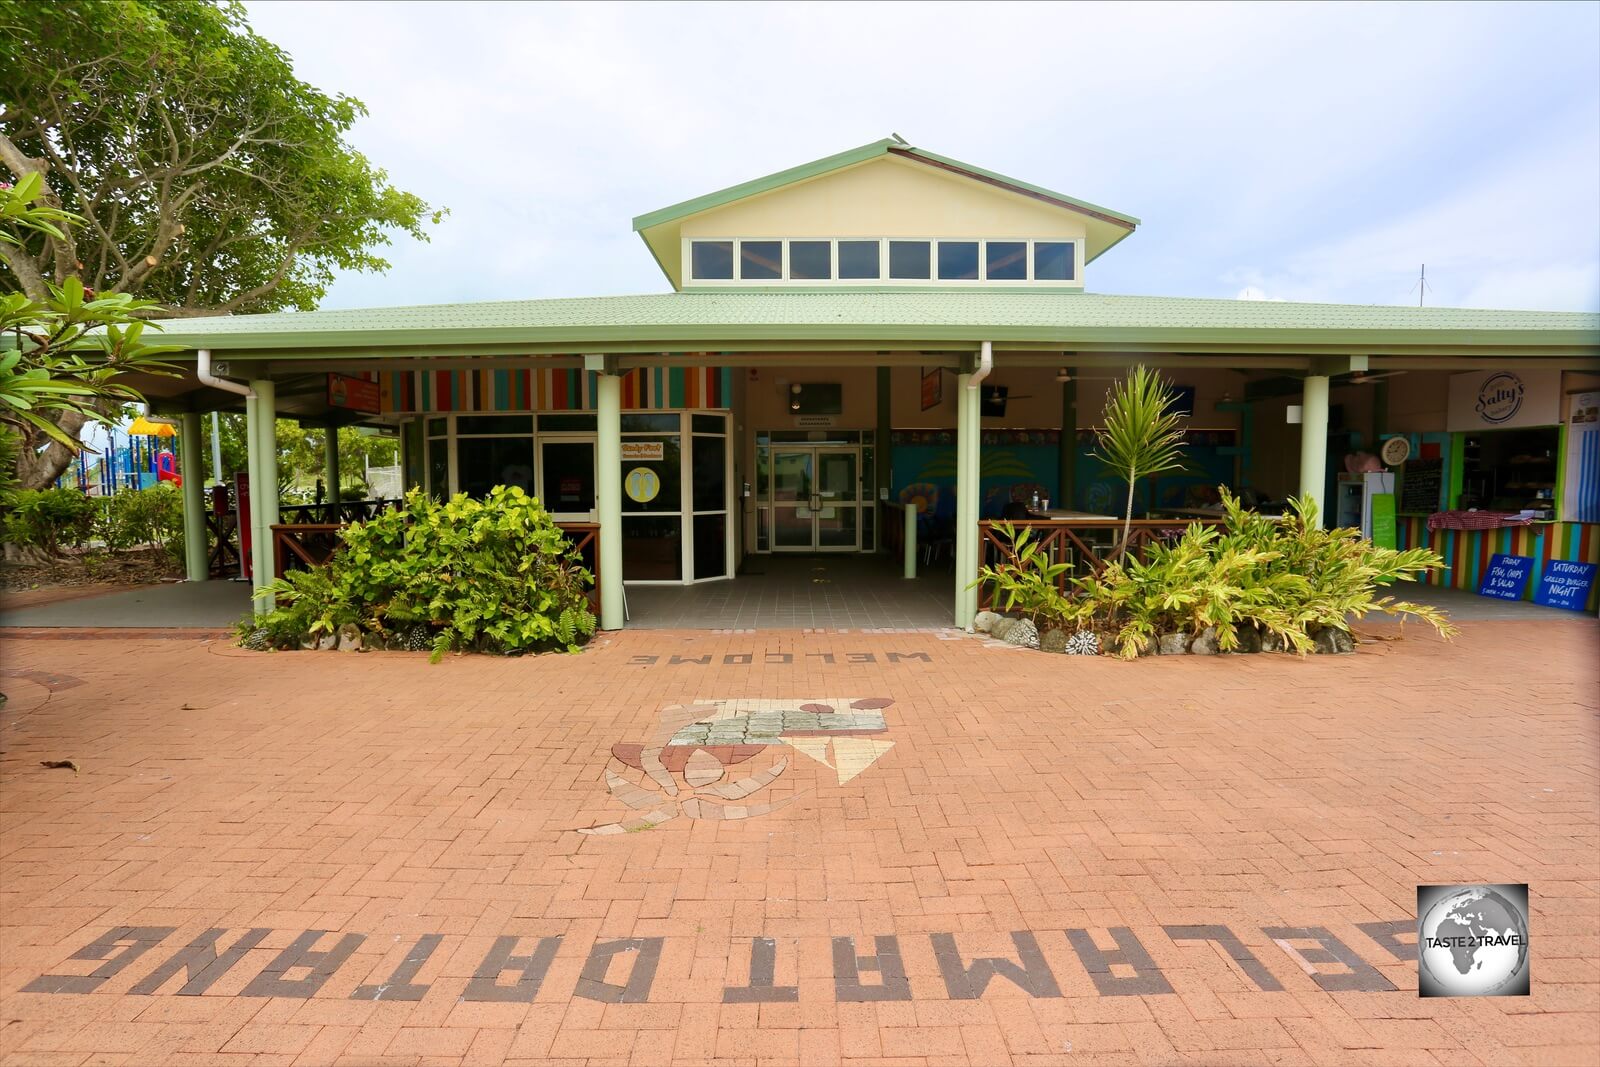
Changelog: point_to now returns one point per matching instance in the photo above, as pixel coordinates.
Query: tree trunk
(1127, 518)
(38, 468)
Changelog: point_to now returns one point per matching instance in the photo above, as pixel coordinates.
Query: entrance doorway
(816, 504)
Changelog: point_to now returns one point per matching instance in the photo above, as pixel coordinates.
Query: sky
(1272, 151)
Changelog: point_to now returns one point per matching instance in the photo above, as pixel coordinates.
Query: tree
(206, 176)
(1142, 435)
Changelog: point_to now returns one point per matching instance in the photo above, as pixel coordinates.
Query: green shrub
(48, 519)
(1281, 576)
(491, 575)
(134, 517)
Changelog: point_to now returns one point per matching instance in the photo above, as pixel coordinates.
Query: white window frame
(883, 279)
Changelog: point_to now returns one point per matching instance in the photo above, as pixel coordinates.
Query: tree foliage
(183, 163)
(1141, 434)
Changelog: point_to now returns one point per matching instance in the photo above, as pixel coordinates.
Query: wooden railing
(311, 544)
(1085, 545)
(332, 513)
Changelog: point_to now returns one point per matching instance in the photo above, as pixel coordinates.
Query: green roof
(951, 319)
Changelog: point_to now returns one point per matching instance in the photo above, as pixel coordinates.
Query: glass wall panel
(654, 423)
(1053, 261)
(485, 462)
(710, 546)
(500, 425)
(652, 484)
(858, 259)
(439, 468)
(709, 424)
(708, 458)
(652, 548)
(1007, 261)
(909, 259)
(567, 423)
(711, 259)
(760, 260)
(958, 260)
(568, 472)
(810, 260)
(415, 457)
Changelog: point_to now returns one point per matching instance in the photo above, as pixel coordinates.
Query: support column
(1067, 450)
(883, 449)
(264, 486)
(1314, 441)
(196, 558)
(968, 431)
(608, 494)
(252, 445)
(216, 449)
(330, 454)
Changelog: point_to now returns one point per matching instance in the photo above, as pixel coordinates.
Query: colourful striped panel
(553, 389)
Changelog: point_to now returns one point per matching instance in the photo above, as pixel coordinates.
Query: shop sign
(932, 387)
(642, 484)
(815, 422)
(1499, 399)
(644, 451)
(1506, 577)
(355, 394)
(1565, 584)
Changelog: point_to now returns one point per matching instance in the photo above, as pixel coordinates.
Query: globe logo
(1472, 941)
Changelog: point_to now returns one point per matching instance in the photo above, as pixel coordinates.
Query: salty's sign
(1566, 585)
(1506, 577)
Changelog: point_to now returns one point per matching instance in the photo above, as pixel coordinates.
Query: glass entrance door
(815, 503)
(566, 478)
(793, 528)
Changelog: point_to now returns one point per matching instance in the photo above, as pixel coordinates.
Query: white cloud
(1305, 150)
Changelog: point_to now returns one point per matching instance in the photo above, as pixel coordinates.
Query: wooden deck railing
(1085, 545)
(311, 544)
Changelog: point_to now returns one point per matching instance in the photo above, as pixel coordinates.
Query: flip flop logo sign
(687, 768)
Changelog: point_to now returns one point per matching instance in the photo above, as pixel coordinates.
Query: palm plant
(1141, 434)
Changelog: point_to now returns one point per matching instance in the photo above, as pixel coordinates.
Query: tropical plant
(1026, 581)
(1278, 576)
(1141, 435)
(43, 521)
(130, 518)
(489, 575)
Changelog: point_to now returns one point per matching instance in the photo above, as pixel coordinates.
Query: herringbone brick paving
(1024, 794)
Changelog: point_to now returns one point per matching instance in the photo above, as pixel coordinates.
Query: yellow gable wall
(888, 197)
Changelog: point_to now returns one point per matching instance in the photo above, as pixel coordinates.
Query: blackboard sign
(1566, 585)
(1421, 486)
(1506, 577)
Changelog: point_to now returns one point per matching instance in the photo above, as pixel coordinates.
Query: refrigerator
(1353, 505)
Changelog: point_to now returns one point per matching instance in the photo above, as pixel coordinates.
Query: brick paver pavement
(995, 856)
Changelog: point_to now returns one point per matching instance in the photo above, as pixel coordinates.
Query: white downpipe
(202, 370)
(985, 365)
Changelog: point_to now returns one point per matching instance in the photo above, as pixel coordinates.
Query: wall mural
(1013, 462)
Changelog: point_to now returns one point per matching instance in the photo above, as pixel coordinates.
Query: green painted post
(196, 560)
(967, 431)
(1067, 450)
(330, 459)
(252, 444)
(1314, 441)
(608, 457)
(264, 493)
(883, 452)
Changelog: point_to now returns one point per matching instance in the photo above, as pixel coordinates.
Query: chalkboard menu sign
(1421, 486)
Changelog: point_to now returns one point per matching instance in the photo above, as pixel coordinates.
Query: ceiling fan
(1370, 377)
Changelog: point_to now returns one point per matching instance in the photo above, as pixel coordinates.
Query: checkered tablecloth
(1476, 520)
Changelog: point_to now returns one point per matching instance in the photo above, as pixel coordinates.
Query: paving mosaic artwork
(691, 849)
